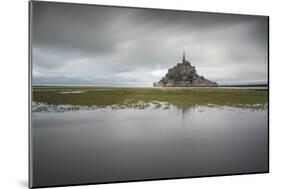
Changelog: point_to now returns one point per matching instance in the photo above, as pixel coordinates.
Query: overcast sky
(98, 45)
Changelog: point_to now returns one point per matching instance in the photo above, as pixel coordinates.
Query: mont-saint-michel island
(184, 75)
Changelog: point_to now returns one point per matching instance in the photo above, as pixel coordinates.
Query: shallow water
(104, 145)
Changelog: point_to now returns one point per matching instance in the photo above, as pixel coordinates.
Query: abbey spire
(183, 57)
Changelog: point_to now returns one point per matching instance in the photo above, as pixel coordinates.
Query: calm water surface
(104, 145)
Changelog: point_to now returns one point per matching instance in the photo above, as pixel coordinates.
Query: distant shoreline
(112, 86)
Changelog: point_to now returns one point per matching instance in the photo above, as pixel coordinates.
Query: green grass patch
(131, 97)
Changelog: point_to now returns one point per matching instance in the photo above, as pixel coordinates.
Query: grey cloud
(75, 44)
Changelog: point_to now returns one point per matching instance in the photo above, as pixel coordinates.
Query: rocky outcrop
(184, 75)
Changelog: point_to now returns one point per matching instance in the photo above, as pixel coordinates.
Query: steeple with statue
(183, 75)
(184, 61)
(183, 57)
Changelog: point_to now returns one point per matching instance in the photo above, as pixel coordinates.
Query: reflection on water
(103, 145)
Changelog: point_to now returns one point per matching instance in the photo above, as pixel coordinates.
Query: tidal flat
(103, 97)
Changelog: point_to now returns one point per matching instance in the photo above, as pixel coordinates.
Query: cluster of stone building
(183, 75)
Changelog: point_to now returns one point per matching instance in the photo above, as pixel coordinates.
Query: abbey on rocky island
(184, 75)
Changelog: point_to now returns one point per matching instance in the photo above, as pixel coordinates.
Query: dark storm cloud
(74, 44)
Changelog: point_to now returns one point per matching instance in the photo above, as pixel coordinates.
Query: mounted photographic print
(120, 94)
